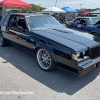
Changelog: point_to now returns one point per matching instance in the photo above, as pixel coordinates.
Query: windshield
(36, 23)
(92, 21)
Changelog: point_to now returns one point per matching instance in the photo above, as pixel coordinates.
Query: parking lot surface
(19, 72)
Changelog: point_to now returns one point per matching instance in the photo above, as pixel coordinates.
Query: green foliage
(97, 8)
(35, 8)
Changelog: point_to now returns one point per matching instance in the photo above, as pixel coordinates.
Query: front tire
(45, 60)
(95, 34)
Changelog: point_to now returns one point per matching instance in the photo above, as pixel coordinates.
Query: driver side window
(77, 21)
(12, 22)
(16, 21)
(80, 21)
(20, 20)
(83, 21)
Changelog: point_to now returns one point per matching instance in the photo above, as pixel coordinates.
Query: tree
(35, 8)
(97, 8)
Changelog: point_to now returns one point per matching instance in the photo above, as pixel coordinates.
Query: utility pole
(80, 7)
(56, 3)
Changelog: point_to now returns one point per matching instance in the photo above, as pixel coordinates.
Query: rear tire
(2, 41)
(68, 26)
(45, 60)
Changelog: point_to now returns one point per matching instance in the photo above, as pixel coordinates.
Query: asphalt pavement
(22, 79)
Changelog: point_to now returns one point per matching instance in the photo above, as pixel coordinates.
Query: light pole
(56, 3)
(80, 7)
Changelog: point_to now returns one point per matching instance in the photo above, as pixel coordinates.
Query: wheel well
(36, 50)
(93, 33)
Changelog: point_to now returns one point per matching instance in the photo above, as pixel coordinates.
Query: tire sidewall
(1, 37)
(52, 62)
(95, 34)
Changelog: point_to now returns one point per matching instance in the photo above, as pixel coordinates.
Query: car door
(9, 34)
(22, 33)
(88, 27)
(82, 26)
(76, 24)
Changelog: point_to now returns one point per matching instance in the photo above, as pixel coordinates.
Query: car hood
(71, 38)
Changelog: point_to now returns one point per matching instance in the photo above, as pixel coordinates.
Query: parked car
(32, 12)
(8, 11)
(86, 24)
(51, 43)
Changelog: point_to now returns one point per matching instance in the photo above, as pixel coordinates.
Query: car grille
(95, 52)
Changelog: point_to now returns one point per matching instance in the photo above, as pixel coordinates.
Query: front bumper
(89, 62)
(88, 65)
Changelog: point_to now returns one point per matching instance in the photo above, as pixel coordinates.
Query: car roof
(29, 14)
(88, 17)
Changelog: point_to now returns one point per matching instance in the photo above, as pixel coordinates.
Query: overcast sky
(70, 3)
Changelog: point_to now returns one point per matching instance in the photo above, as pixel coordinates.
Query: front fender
(46, 47)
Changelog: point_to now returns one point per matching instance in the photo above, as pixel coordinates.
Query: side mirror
(20, 28)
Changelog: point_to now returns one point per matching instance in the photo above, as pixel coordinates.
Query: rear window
(3, 20)
(6, 20)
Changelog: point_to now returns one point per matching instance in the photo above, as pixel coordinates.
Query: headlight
(81, 55)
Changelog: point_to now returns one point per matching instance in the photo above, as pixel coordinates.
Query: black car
(51, 43)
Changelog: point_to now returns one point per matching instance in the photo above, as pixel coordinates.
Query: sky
(75, 4)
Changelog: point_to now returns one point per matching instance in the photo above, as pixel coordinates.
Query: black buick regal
(51, 43)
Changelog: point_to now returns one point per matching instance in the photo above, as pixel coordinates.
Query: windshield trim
(42, 28)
